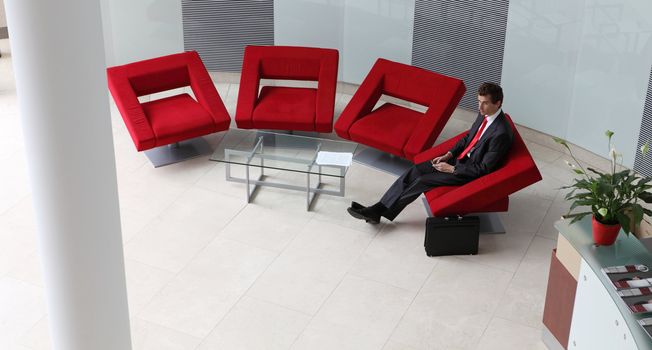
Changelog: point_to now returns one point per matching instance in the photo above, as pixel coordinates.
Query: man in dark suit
(479, 152)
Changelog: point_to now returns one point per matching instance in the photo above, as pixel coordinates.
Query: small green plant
(612, 196)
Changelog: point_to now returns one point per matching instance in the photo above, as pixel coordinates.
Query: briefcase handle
(459, 217)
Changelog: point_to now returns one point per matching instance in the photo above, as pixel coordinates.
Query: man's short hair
(493, 90)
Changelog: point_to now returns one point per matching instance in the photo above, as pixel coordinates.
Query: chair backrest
(411, 83)
(159, 74)
(290, 62)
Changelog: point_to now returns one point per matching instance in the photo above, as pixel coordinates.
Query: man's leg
(372, 213)
(422, 184)
(404, 182)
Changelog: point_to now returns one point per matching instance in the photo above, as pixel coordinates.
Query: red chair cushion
(285, 108)
(387, 128)
(168, 116)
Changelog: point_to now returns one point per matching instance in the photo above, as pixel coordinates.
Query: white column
(58, 58)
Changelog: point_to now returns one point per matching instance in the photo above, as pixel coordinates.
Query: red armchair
(398, 130)
(287, 108)
(488, 193)
(172, 119)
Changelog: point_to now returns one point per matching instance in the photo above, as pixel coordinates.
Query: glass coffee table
(286, 152)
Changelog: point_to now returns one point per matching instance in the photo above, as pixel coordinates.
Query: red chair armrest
(361, 104)
(434, 120)
(248, 93)
(438, 150)
(132, 113)
(326, 87)
(204, 90)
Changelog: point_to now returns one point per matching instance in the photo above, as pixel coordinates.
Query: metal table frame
(311, 192)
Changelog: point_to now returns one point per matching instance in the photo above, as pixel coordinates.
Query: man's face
(487, 107)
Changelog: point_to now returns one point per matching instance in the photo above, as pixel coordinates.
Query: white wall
(142, 29)
(574, 69)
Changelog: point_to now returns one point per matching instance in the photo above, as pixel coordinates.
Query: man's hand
(444, 167)
(439, 163)
(442, 159)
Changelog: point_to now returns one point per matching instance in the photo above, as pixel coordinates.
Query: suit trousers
(412, 183)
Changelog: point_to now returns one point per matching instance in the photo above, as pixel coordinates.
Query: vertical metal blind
(220, 29)
(643, 165)
(461, 38)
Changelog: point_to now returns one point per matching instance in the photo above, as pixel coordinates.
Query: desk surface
(627, 250)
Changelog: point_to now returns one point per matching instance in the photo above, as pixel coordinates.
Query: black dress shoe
(356, 205)
(364, 214)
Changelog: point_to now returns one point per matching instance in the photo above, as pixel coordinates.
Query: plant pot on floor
(604, 234)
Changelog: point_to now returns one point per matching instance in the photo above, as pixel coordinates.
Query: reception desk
(582, 309)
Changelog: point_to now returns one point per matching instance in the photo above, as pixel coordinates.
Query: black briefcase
(452, 235)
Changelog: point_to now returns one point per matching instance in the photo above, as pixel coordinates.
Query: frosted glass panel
(316, 23)
(541, 48)
(376, 28)
(144, 29)
(576, 68)
(612, 75)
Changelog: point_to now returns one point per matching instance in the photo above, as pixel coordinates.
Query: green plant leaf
(560, 141)
(595, 171)
(603, 211)
(624, 221)
(645, 148)
(578, 171)
(577, 217)
(609, 133)
(645, 197)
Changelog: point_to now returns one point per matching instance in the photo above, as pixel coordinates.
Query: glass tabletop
(273, 150)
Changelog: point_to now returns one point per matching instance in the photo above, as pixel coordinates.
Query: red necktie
(475, 139)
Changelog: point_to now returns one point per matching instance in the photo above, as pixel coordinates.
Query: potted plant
(613, 196)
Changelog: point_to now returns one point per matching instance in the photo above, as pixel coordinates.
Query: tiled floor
(205, 270)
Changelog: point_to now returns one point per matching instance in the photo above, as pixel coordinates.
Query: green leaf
(645, 197)
(637, 210)
(603, 211)
(624, 221)
(645, 148)
(647, 212)
(560, 141)
(578, 171)
(609, 133)
(595, 171)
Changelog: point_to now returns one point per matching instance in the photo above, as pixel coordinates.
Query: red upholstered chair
(394, 129)
(287, 108)
(488, 193)
(172, 119)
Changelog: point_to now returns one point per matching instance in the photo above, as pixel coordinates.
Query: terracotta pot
(604, 234)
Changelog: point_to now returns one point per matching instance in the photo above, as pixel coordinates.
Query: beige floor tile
(365, 306)
(22, 305)
(396, 256)
(149, 336)
(505, 335)
(324, 335)
(454, 307)
(265, 228)
(310, 268)
(182, 230)
(143, 283)
(254, 324)
(195, 300)
(526, 213)
(394, 345)
(524, 298)
(502, 251)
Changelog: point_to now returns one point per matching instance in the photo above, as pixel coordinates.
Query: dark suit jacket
(489, 151)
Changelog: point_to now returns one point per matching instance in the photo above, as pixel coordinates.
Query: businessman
(479, 152)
